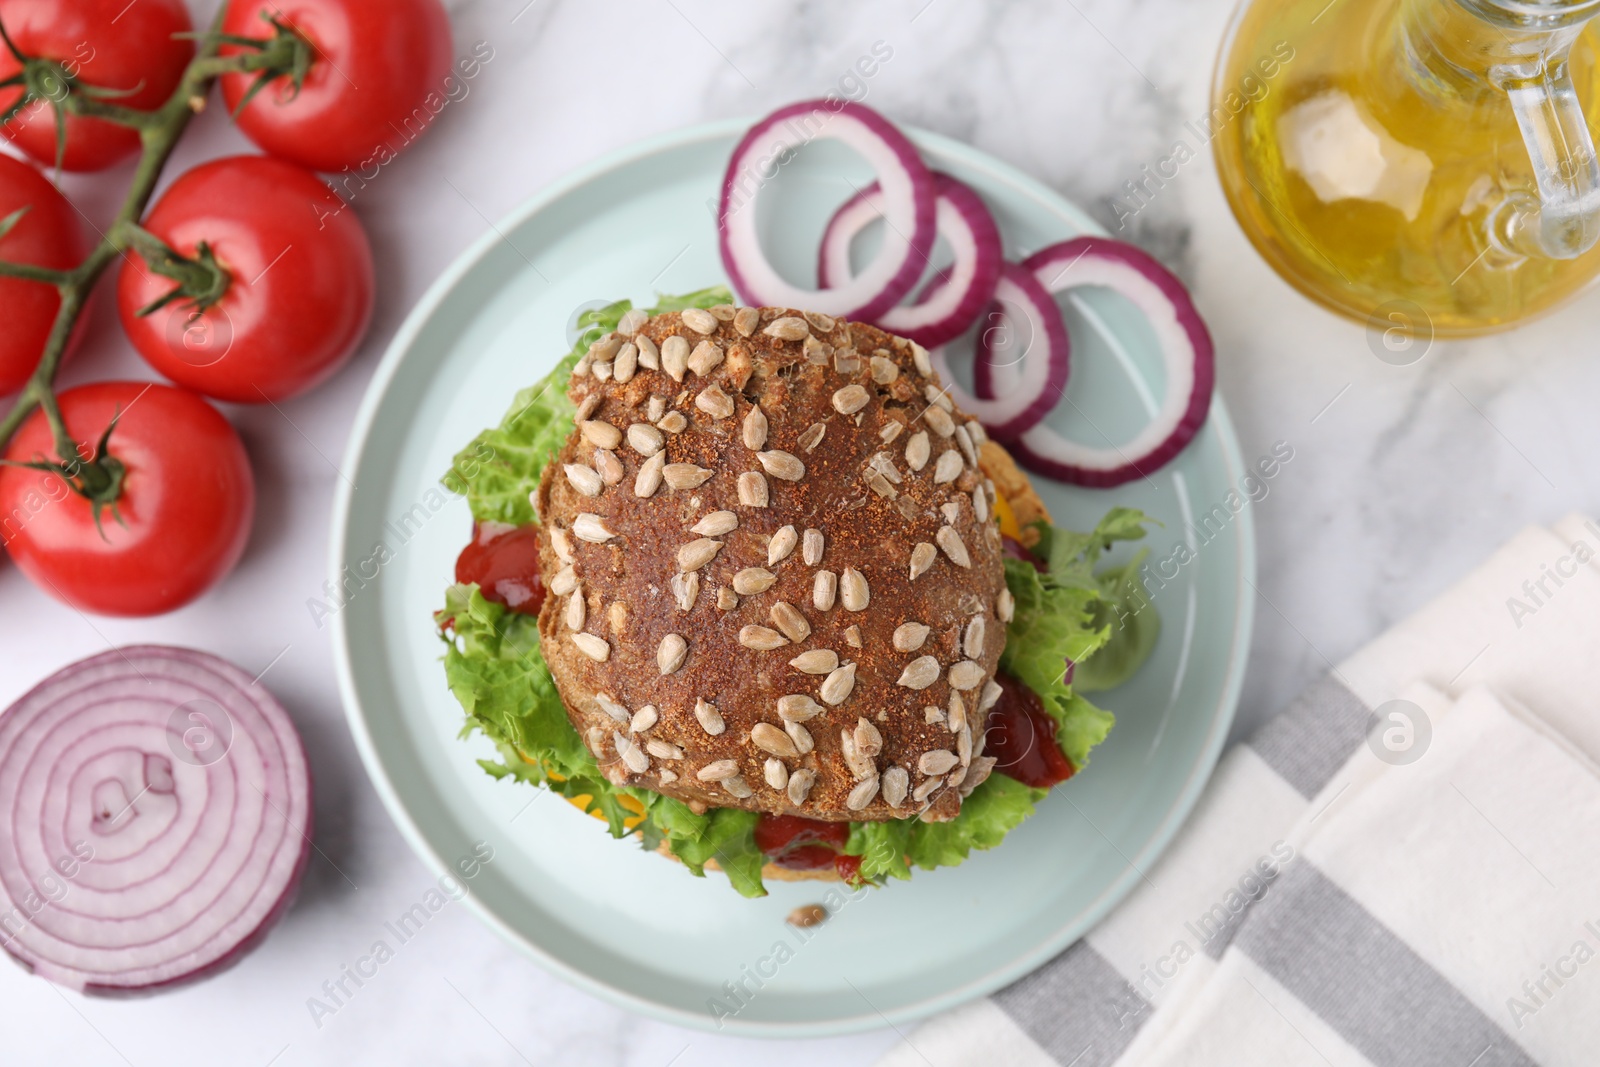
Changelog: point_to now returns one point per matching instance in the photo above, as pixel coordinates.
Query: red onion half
(1186, 352)
(1027, 317)
(957, 296)
(156, 807)
(908, 206)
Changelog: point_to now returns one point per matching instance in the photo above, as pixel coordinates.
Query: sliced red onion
(156, 807)
(908, 207)
(1186, 353)
(1043, 354)
(956, 297)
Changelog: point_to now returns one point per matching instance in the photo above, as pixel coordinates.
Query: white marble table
(1402, 476)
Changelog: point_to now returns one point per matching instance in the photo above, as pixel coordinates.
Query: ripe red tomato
(185, 508)
(49, 235)
(366, 96)
(111, 44)
(300, 292)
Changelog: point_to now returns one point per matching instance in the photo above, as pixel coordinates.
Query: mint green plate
(628, 925)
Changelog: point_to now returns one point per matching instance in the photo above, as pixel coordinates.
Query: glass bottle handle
(1564, 221)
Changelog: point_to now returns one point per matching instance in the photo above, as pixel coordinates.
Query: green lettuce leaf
(890, 849)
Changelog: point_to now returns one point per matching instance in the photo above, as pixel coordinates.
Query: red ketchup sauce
(1022, 738)
(505, 564)
(802, 844)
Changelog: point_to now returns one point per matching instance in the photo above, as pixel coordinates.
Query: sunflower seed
(781, 545)
(675, 357)
(816, 661)
(645, 439)
(852, 636)
(800, 783)
(667, 776)
(811, 547)
(860, 766)
(798, 707)
(716, 524)
(727, 599)
(588, 527)
(631, 320)
(618, 614)
(970, 450)
(939, 420)
(922, 558)
(577, 610)
(788, 328)
(919, 356)
(775, 772)
(879, 484)
(1005, 605)
(673, 422)
(585, 480)
(752, 580)
(745, 320)
(869, 742)
(594, 647)
(787, 617)
(909, 636)
(980, 505)
(845, 361)
(783, 465)
(696, 554)
(684, 475)
(561, 542)
(718, 770)
(655, 408)
(600, 434)
(629, 753)
(862, 794)
(609, 466)
(769, 738)
(977, 774)
(564, 581)
(812, 437)
(956, 777)
(951, 510)
(823, 590)
(644, 718)
(948, 469)
(964, 745)
(583, 366)
(958, 713)
(710, 719)
(753, 489)
(705, 358)
(649, 354)
(931, 715)
(699, 320)
(604, 349)
(803, 742)
(755, 429)
(884, 371)
(818, 352)
(836, 687)
(662, 749)
(671, 652)
(966, 675)
(920, 673)
(738, 787)
(603, 371)
(991, 695)
(895, 784)
(626, 364)
(609, 705)
(851, 399)
(926, 789)
(590, 405)
(972, 641)
(761, 638)
(723, 312)
(936, 762)
(884, 465)
(853, 591)
(819, 321)
(938, 397)
(917, 450)
(685, 589)
(950, 541)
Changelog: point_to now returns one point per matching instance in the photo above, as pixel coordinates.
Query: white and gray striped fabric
(1351, 897)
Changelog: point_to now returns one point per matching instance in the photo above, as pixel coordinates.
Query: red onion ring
(1043, 374)
(157, 818)
(908, 206)
(953, 301)
(1186, 350)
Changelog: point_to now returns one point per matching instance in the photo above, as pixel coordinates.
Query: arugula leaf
(1126, 610)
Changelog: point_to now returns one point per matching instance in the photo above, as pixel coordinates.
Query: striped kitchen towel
(1398, 870)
